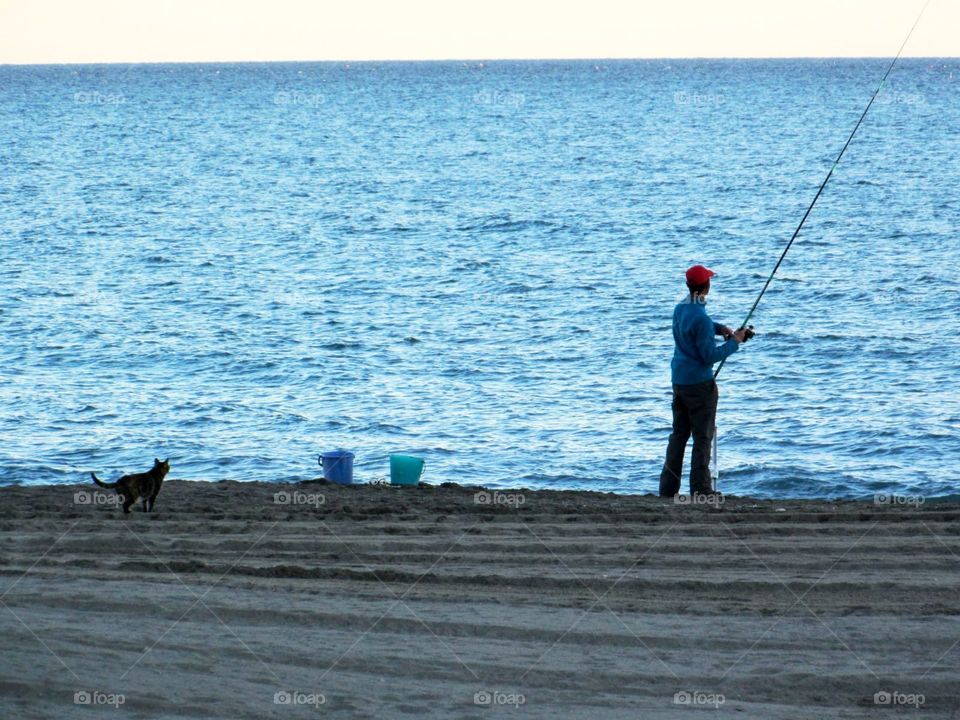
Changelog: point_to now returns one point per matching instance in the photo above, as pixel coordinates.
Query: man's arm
(711, 353)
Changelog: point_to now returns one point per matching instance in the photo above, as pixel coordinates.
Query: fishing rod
(714, 470)
(826, 179)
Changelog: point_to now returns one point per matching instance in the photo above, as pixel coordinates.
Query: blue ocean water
(241, 265)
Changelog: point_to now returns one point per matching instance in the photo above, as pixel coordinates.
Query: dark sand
(421, 602)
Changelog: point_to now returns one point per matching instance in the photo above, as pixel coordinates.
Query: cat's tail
(100, 482)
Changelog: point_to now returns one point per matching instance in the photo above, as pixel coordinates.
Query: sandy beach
(251, 600)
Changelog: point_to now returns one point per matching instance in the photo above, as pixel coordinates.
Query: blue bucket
(337, 466)
(405, 469)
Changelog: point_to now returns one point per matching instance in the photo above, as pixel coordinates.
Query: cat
(139, 485)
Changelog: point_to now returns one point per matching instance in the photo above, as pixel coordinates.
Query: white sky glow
(60, 31)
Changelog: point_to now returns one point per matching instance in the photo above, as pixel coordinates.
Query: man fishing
(694, 389)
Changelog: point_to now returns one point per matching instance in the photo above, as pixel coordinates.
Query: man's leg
(673, 467)
(702, 401)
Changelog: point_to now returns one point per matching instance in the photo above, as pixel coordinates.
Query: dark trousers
(694, 413)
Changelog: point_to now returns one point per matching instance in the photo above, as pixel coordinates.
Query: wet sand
(430, 602)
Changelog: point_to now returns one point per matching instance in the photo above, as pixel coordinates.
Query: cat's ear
(167, 461)
(156, 461)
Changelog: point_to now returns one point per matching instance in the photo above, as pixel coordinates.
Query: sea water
(239, 266)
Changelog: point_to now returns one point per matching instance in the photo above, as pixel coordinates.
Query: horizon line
(481, 60)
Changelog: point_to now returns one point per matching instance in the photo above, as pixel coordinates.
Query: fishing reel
(748, 332)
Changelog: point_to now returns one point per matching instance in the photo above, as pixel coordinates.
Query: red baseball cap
(698, 275)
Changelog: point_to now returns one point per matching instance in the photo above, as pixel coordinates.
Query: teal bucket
(405, 469)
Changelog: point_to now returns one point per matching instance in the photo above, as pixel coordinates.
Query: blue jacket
(696, 350)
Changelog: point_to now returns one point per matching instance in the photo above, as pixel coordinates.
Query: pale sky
(58, 31)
